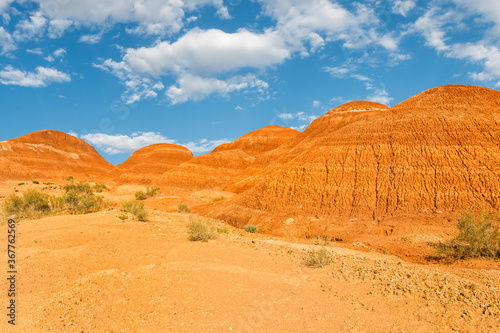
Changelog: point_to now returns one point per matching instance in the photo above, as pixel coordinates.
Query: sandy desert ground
(97, 273)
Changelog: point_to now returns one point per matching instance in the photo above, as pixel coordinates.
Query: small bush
(122, 217)
(35, 182)
(20, 184)
(183, 208)
(251, 228)
(135, 208)
(321, 240)
(219, 198)
(140, 195)
(48, 183)
(56, 204)
(99, 188)
(222, 230)
(150, 192)
(33, 204)
(70, 179)
(79, 188)
(153, 191)
(319, 258)
(479, 236)
(200, 231)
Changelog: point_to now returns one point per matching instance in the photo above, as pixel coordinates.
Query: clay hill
(148, 163)
(226, 163)
(50, 154)
(438, 151)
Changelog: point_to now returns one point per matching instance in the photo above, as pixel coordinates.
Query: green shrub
(79, 188)
(56, 204)
(222, 230)
(150, 192)
(122, 217)
(183, 208)
(479, 236)
(140, 195)
(33, 204)
(200, 231)
(219, 198)
(48, 183)
(35, 182)
(319, 258)
(153, 191)
(70, 179)
(99, 188)
(251, 228)
(20, 184)
(135, 208)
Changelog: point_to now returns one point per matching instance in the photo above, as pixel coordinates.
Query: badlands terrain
(380, 188)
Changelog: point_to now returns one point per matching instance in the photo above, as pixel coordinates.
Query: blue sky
(123, 74)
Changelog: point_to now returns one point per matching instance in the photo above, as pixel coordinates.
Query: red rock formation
(227, 162)
(50, 155)
(148, 163)
(437, 151)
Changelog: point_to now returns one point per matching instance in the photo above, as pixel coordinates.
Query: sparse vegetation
(122, 217)
(200, 231)
(70, 179)
(80, 199)
(219, 198)
(251, 228)
(223, 230)
(35, 182)
(135, 208)
(321, 240)
(20, 184)
(479, 236)
(48, 183)
(33, 204)
(99, 188)
(183, 208)
(150, 192)
(319, 258)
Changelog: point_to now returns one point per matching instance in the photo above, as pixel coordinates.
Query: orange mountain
(228, 161)
(148, 163)
(50, 154)
(438, 151)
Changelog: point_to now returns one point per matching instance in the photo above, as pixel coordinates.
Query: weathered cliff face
(147, 164)
(437, 151)
(49, 155)
(228, 162)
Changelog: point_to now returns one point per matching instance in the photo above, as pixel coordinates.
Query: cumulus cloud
(300, 117)
(191, 87)
(7, 43)
(196, 59)
(90, 39)
(119, 143)
(41, 78)
(403, 7)
(4, 4)
(316, 104)
(379, 94)
(31, 28)
(151, 16)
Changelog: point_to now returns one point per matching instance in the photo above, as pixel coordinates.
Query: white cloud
(379, 95)
(31, 29)
(486, 55)
(57, 27)
(196, 58)
(340, 71)
(316, 104)
(192, 87)
(41, 78)
(37, 51)
(151, 16)
(6, 42)
(90, 39)
(300, 117)
(4, 4)
(489, 9)
(119, 143)
(59, 52)
(403, 7)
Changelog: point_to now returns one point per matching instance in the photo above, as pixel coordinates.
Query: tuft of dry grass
(319, 258)
(201, 231)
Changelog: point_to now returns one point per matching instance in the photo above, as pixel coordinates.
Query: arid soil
(97, 273)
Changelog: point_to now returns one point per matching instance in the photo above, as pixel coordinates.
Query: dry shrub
(135, 208)
(319, 258)
(479, 237)
(201, 231)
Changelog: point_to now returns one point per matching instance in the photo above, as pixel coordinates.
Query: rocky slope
(50, 154)
(228, 162)
(148, 163)
(438, 151)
